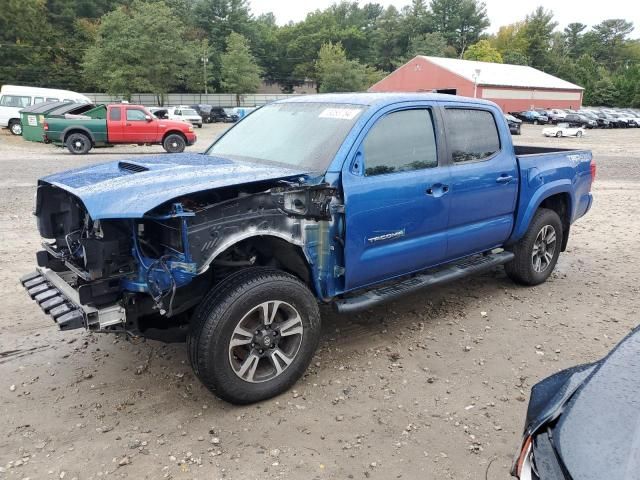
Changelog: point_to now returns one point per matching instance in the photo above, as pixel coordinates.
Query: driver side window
(135, 115)
(399, 142)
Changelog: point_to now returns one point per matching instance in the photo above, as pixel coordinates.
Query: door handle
(504, 179)
(128, 124)
(437, 190)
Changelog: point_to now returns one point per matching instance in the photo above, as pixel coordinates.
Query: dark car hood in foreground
(598, 435)
(130, 188)
(597, 406)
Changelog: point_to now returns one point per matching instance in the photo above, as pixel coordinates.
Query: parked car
(204, 110)
(556, 115)
(117, 124)
(632, 119)
(563, 130)
(14, 98)
(531, 116)
(614, 121)
(583, 422)
(577, 120)
(242, 242)
(600, 122)
(515, 125)
(219, 114)
(186, 114)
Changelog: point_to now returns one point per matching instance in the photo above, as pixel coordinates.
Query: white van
(14, 98)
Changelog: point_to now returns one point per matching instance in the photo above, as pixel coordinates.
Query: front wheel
(578, 134)
(558, 134)
(536, 254)
(254, 335)
(174, 143)
(535, 122)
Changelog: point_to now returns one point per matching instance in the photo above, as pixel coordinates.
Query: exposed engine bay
(160, 266)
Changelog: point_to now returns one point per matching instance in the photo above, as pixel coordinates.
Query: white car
(186, 114)
(563, 130)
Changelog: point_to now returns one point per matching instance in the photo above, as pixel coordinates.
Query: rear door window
(115, 114)
(472, 134)
(399, 142)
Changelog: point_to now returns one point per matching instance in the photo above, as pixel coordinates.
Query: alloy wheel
(544, 248)
(266, 341)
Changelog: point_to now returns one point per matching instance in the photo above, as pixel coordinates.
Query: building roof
(502, 75)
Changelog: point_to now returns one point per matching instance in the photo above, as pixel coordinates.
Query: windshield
(304, 135)
(189, 111)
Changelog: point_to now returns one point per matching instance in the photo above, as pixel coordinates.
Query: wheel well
(263, 251)
(560, 203)
(77, 130)
(174, 132)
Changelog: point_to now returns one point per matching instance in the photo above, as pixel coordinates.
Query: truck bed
(546, 171)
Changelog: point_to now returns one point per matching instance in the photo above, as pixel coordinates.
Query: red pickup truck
(117, 124)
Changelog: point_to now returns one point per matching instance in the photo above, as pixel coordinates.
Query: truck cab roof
(381, 99)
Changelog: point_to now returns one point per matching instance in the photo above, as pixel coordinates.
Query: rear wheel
(535, 122)
(536, 254)
(15, 127)
(174, 143)
(254, 335)
(78, 143)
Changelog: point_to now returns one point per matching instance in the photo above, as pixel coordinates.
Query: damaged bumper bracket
(58, 299)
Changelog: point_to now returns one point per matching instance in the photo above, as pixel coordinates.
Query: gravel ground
(432, 387)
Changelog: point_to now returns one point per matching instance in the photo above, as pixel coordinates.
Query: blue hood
(130, 188)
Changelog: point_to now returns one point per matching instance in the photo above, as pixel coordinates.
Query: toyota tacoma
(343, 199)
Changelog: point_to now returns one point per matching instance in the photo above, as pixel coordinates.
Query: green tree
(140, 48)
(337, 74)
(537, 30)
(461, 22)
(611, 37)
(429, 44)
(483, 52)
(573, 38)
(515, 57)
(240, 71)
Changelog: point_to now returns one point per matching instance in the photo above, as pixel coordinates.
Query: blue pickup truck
(343, 199)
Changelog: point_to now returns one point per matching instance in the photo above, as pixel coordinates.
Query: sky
(500, 12)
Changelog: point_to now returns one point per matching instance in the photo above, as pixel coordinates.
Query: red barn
(513, 87)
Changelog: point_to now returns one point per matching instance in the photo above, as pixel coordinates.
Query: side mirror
(148, 118)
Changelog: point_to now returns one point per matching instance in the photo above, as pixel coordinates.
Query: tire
(535, 122)
(578, 134)
(15, 127)
(174, 143)
(227, 341)
(78, 143)
(524, 269)
(199, 125)
(558, 134)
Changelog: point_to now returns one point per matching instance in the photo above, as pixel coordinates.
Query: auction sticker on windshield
(340, 113)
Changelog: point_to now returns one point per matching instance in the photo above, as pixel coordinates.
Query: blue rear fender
(525, 215)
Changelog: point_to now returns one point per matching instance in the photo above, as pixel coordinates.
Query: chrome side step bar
(447, 273)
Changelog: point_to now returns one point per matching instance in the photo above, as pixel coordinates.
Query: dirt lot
(431, 387)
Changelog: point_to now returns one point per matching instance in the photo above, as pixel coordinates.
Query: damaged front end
(138, 275)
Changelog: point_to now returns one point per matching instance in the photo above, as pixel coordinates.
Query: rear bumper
(57, 298)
